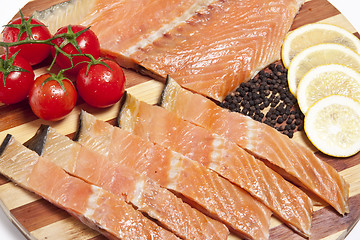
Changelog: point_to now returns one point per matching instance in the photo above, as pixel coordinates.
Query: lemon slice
(332, 124)
(326, 80)
(321, 54)
(313, 34)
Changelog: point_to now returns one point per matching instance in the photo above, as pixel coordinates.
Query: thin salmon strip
(160, 126)
(94, 206)
(145, 194)
(290, 159)
(208, 46)
(199, 186)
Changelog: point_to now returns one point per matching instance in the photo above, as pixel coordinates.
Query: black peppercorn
(268, 88)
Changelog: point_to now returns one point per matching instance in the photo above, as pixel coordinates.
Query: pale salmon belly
(92, 205)
(292, 160)
(208, 46)
(162, 127)
(201, 187)
(142, 192)
(120, 25)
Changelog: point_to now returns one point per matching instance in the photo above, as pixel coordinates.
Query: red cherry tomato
(49, 101)
(87, 42)
(33, 53)
(101, 87)
(17, 83)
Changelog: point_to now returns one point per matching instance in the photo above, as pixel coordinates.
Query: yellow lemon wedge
(313, 34)
(332, 124)
(326, 80)
(321, 54)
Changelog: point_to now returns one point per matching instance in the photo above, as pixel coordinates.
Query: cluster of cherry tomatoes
(75, 49)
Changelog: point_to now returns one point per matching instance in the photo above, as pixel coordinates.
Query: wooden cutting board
(38, 219)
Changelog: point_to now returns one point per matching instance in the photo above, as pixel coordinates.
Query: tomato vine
(6, 65)
(74, 49)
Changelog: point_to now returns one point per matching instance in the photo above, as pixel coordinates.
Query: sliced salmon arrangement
(290, 159)
(220, 155)
(208, 46)
(94, 206)
(201, 187)
(145, 194)
(186, 168)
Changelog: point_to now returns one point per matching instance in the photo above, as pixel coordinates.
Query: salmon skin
(162, 127)
(199, 186)
(208, 46)
(94, 206)
(145, 194)
(292, 160)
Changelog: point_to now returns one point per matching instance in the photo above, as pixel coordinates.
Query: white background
(8, 8)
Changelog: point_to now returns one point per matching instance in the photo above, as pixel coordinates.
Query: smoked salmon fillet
(92, 205)
(199, 186)
(162, 127)
(290, 159)
(145, 194)
(208, 46)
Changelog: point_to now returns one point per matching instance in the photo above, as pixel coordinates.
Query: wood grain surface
(38, 219)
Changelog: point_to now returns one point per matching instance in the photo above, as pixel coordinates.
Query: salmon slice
(222, 46)
(109, 19)
(208, 46)
(160, 126)
(97, 208)
(199, 186)
(290, 159)
(145, 194)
